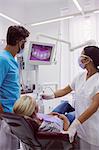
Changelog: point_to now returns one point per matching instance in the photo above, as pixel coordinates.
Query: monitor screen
(41, 53)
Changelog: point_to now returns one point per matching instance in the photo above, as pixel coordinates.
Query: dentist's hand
(47, 97)
(72, 130)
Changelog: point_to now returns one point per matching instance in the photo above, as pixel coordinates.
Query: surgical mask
(80, 63)
(21, 48)
(20, 52)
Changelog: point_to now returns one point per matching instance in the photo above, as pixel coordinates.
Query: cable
(23, 85)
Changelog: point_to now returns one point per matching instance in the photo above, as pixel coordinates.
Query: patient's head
(25, 106)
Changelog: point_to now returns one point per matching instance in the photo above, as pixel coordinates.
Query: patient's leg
(63, 108)
(70, 116)
(66, 109)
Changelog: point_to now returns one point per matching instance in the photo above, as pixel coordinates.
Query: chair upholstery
(26, 129)
(20, 128)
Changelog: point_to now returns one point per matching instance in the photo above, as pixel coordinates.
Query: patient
(53, 122)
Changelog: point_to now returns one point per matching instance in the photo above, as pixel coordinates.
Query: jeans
(66, 109)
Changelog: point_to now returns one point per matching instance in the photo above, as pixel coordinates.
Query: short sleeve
(4, 67)
(73, 83)
(97, 88)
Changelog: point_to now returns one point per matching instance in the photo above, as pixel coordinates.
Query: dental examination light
(53, 38)
(87, 43)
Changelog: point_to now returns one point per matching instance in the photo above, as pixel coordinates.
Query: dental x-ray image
(40, 52)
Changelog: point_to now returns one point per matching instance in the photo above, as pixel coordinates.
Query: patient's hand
(54, 114)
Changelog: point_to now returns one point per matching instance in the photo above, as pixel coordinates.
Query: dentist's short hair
(15, 34)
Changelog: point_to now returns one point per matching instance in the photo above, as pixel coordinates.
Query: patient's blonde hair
(25, 106)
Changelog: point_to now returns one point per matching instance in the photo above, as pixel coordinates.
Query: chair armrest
(52, 135)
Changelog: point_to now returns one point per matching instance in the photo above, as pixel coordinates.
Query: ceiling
(32, 11)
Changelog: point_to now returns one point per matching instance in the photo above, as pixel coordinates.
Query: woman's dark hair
(15, 34)
(93, 53)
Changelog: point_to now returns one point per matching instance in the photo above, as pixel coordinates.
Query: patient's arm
(66, 122)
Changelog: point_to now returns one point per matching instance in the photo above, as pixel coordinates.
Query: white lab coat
(84, 91)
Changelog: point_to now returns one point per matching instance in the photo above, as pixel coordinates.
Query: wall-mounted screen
(41, 53)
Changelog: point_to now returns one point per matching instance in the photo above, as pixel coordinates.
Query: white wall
(80, 29)
(65, 54)
(4, 24)
(97, 28)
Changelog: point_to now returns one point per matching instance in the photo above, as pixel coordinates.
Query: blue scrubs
(9, 80)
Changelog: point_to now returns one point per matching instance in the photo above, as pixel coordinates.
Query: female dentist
(86, 87)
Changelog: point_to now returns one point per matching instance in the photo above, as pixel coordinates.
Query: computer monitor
(41, 53)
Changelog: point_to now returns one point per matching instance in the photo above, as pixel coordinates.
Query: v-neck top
(84, 92)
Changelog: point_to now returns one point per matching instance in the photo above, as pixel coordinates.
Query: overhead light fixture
(78, 6)
(96, 12)
(8, 18)
(64, 17)
(52, 20)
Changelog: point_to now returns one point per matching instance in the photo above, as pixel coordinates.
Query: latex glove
(47, 97)
(72, 130)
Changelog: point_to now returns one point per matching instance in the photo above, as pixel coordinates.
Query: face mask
(21, 50)
(80, 63)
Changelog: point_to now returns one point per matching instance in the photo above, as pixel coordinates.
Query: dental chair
(26, 130)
